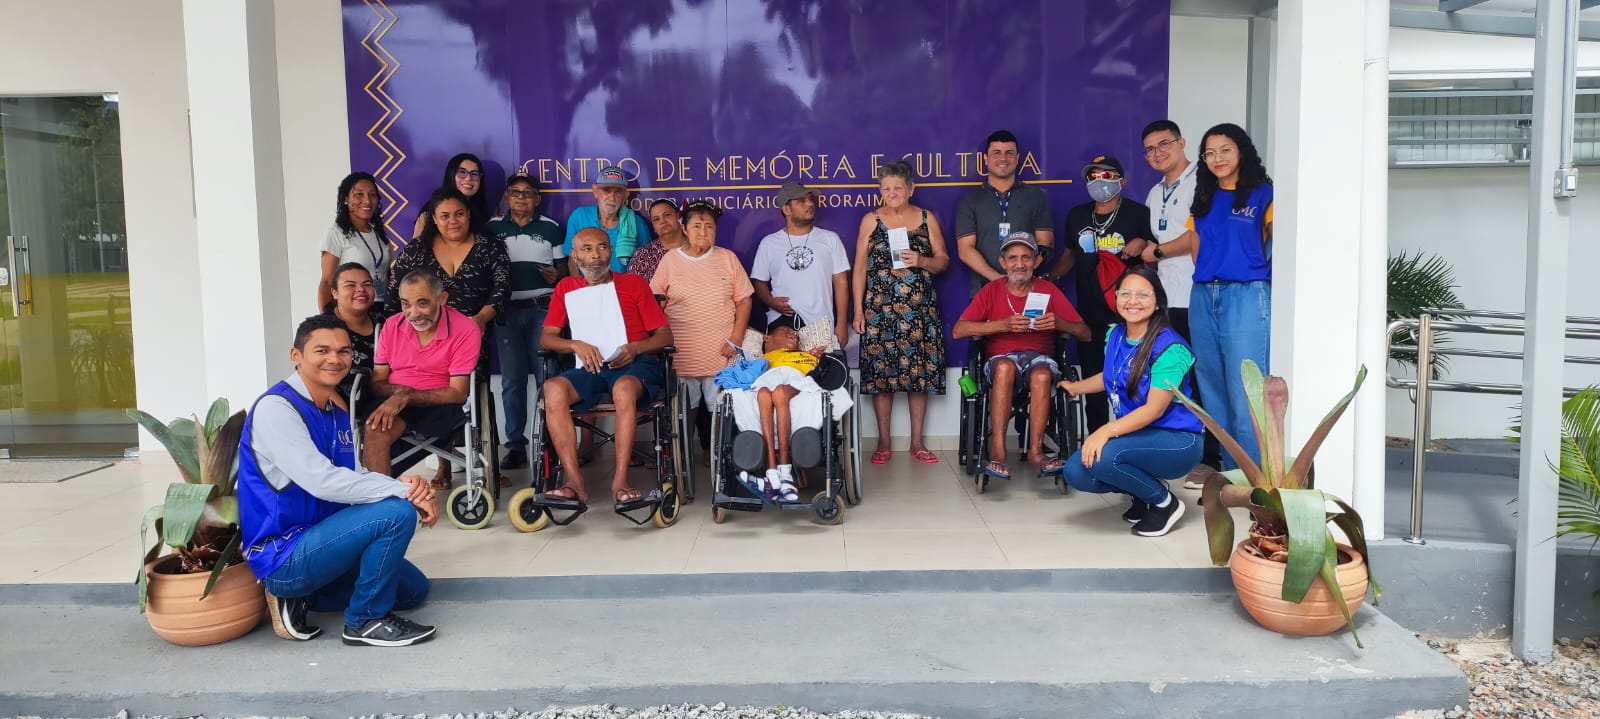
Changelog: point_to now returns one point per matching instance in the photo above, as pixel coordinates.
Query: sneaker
(514, 459)
(1196, 479)
(1135, 512)
(289, 618)
(1159, 520)
(390, 631)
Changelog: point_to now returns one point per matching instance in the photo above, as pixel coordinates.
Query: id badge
(1086, 241)
(1005, 231)
(1163, 226)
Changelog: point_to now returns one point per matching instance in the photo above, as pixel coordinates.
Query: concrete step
(1067, 643)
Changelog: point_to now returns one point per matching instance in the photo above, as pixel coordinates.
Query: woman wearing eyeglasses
(1230, 307)
(897, 308)
(1150, 435)
(464, 174)
(708, 305)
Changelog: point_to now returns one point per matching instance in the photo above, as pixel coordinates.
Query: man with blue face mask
(1102, 238)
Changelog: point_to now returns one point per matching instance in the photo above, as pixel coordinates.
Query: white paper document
(595, 316)
(899, 241)
(1037, 302)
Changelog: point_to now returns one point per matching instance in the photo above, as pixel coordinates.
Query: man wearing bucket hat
(625, 228)
(1019, 316)
(802, 271)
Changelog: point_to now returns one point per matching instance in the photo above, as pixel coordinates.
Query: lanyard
(1167, 192)
(1005, 202)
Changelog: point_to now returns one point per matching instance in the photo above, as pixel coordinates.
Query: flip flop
(505, 481)
(998, 470)
(564, 494)
(1052, 466)
(881, 457)
(626, 495)
(926, 456)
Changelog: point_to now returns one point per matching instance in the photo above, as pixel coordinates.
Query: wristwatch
(1158, 253)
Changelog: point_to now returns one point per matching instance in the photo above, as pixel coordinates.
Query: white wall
(86, 47)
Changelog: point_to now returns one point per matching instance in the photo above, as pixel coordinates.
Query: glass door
(66, 332)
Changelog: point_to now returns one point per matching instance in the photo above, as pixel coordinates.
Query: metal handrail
(1422, 331)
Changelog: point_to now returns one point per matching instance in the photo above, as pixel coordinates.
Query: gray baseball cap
(793, 191)
(1019, 237)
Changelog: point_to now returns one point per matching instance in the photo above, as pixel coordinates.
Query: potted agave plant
(201, 593)
(1291, 573)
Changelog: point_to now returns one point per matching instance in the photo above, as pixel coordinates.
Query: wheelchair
(471, 505)
(1066, 423)
(531, 509)
(832, 454)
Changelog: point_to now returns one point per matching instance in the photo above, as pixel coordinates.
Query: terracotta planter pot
(178, 615)
(1259, 583)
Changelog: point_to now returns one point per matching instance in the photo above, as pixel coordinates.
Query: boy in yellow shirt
(783, 351)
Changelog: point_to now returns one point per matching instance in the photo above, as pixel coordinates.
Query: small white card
(899, 241)
(1037, 302)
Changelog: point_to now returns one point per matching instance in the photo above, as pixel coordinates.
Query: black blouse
(484, 277)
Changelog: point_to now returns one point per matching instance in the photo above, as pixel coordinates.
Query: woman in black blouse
(475, 268)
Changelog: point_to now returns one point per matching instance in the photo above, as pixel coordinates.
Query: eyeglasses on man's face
(1163, 147)
(522, 194)
(1223, 152)
(1135, 294)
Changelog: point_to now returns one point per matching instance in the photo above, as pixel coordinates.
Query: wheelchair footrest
(737, 504)
(648, 502)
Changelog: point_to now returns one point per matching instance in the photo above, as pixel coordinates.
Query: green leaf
(216, 415)
(177, 438)
(1302, 463)
(1219, 521)
(1236, 476)
(1349, 522)
(152, 516)
(1578, 494)
(1330, 576)
(1248, 466)
(1418, 282)
(1271, 437)
(1304, 513)
(1255, 393)
(222, 511)
(185, 503)
(222, 563)
(221, 461)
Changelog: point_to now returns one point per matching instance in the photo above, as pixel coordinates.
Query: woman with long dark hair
(1149, 436)
(357, 235)
(475, 267)
(464, 173)
(1230, 308)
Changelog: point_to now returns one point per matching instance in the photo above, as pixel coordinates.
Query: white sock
(786, 471)
(1165, 502)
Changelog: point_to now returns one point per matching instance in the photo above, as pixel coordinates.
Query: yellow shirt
(803, 362)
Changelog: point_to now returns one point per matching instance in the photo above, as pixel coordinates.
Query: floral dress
(903, 348)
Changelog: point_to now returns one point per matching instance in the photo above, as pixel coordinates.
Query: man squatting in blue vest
(321, 534)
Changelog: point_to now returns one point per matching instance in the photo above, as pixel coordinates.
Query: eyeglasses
(522, 194)
(1219, 153)
(1136, 294)
(465, 174)
(1162, 147)
(1104, 175)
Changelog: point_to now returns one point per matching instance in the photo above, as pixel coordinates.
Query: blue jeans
(1133, 463)
(355, 562)
(1230, 323)
(519, 357)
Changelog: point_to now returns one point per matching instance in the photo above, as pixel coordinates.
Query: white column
(231, 54)
(1317, 138)
(1373, 294)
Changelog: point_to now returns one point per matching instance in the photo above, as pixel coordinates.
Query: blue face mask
(1103, 190)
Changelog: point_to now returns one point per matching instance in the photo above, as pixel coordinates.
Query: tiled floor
(914, 516)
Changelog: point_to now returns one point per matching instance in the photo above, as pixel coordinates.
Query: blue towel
(741, 374)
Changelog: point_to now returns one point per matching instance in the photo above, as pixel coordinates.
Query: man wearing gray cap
(610, 212)
(1018, 318)
(802, 271)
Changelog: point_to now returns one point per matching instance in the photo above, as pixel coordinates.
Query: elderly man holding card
(1019, 317)
(616, 329)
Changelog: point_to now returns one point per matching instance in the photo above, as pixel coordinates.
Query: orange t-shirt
(701, 293)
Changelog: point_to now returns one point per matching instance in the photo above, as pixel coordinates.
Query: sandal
(626, 495)
(881, 457)
(565, 493)
(440, 483)
(925, 456)
(505, 481)
(1052, 466)
(997, 469)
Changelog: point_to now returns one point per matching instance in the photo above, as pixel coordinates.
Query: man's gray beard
(597, 275)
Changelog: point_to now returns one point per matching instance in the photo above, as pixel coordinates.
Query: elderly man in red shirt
(1019, 317)
(422, 369)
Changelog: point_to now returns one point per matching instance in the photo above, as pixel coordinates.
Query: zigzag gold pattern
(394, 200)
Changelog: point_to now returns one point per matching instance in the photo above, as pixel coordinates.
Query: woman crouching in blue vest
(1150, 436)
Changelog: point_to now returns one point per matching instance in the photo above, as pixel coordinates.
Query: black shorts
(435, 422)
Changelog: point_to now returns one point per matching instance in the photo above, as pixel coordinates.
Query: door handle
(22, 284)
(11, 257)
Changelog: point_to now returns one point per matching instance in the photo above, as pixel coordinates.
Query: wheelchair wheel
(666, 513)
(682, 457)
(829, 509)
(524, 514)
(469, 515)
(850, 462)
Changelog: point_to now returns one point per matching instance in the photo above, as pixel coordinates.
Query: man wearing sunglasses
(1104, 237)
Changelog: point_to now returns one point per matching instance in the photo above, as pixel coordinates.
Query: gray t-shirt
(982, 209)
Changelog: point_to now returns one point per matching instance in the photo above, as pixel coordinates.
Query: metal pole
(1549, 230)
(1419, 424)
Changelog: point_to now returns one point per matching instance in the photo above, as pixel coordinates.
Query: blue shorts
(595, 387)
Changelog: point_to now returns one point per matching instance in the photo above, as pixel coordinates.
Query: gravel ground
(1567, 687)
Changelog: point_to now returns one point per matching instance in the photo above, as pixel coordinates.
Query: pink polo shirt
(453, 351)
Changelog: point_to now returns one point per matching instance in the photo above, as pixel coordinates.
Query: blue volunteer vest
(1232, 248)
(1119, 358)
(273, 520)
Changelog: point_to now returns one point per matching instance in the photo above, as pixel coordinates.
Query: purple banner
(728, 99)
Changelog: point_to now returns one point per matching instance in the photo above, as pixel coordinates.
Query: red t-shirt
(993, 302)
(640, 312)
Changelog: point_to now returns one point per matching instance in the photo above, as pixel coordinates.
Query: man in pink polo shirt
(422, 368)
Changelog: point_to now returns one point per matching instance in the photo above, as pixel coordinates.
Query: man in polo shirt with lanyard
(1107, 223)
(534, 244)
(625, 229)
(421, 370)
(1169, 202)
(988, 214)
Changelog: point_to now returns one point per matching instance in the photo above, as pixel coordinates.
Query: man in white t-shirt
(802, 270)
(1169, 202)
